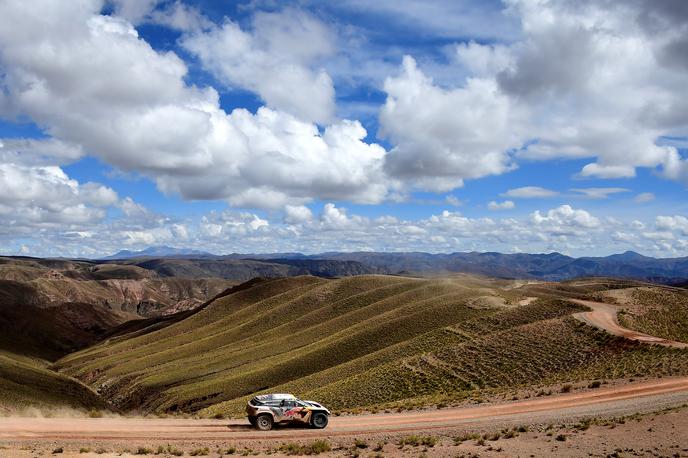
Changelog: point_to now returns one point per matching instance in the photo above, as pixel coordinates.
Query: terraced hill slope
(364, 341)
(27, 383)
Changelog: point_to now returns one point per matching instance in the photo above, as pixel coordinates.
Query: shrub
(314, 448)
(93, 413)
(200, 452)
(84, 450)
(320, 446)
(58, 450)
(510, 434)
(143, 451)
(560, 438)
(595, 384)
(359, 443)
(472, 436)
(566, 388)
(415, 441)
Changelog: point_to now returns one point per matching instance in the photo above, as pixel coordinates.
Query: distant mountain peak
(628, 255)
(159, 251)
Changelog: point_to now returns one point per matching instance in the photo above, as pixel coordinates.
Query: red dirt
(609, 400)
(603, 316)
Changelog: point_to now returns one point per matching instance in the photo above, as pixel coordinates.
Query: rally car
(267, 410)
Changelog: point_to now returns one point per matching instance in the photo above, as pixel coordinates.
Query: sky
(260, 126)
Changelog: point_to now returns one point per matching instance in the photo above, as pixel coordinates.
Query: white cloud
(644, 197)
(599, 193)
(673, 223)
(175, 15)
(294, 214)
(506, 205)
(564, 229)
(92, 81)
(586, 80)
(453, 201)
(483, 20)
(445, 136)
(29, 151)
(594, 78)
(275, 59)
(180, 16)
(565, 220)
(44, 196)
(530, 192)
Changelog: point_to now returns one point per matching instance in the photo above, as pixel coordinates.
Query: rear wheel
(319, 420)
(264, 422)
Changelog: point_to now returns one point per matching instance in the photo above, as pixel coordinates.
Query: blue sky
(258, 126)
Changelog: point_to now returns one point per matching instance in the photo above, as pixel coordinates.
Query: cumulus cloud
(570, 230)
(44, 196)
(294, 214)
(587, 79)
(276, 59)
(443, 136)
(565, 220)
(506, 205)
(529, 192)
(597, 85)
(673, 223)
(92, 81)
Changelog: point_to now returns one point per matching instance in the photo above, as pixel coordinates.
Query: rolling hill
(366, 341)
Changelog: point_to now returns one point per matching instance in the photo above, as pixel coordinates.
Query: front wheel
(264, 422)
(319, 420)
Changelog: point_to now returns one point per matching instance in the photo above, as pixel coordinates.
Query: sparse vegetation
(415, 441)
(314, 448)
(664, 313)
(360, 443)
(368, 343)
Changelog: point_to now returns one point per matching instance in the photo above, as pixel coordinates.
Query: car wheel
(319, 420)
(264, 422)
(252, 420)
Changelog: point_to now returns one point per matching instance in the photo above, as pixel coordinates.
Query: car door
(289, 410)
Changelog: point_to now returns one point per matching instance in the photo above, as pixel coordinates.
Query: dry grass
(366, 341)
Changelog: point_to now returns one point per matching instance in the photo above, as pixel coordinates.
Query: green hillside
(361, 341)
(27, 383)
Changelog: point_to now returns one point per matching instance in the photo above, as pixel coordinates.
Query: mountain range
(550, 266)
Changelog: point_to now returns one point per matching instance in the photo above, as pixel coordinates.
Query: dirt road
(617, 400)
(603, 316)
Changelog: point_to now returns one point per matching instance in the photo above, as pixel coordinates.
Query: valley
(121, 340)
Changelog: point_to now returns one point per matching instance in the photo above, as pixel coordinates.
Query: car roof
(275, 396)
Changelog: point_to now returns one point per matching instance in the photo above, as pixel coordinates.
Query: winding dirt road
(616, 400)
(604, 316)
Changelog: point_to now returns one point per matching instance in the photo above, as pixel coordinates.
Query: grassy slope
(26, 383)
(279, 331)
(362, 341)
(664, 313)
